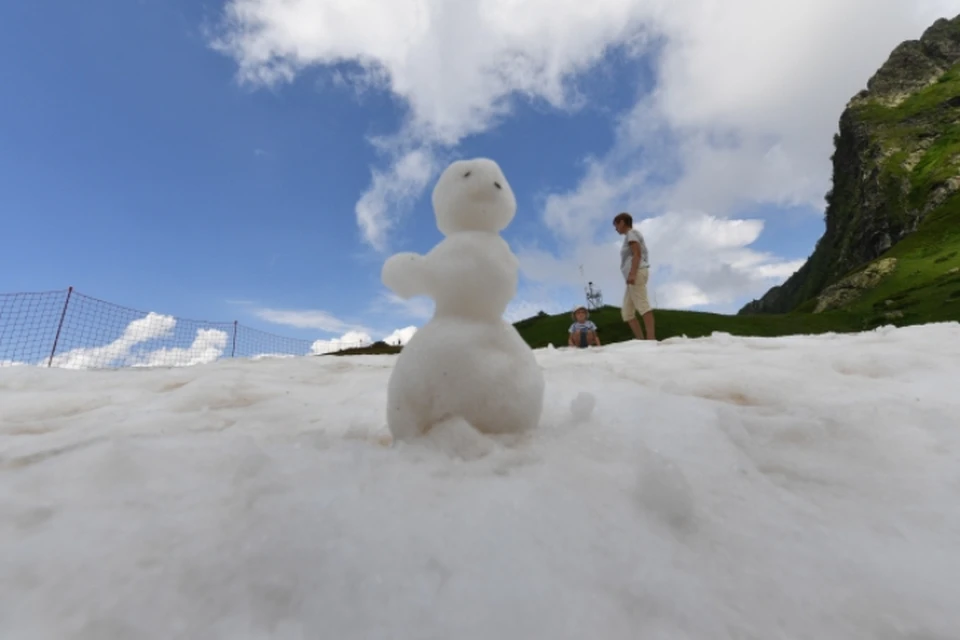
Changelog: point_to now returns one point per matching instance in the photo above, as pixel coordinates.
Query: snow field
(802, 487)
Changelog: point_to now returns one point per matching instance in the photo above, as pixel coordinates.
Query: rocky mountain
(896, 166)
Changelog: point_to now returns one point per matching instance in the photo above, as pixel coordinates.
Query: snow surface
(804, 487)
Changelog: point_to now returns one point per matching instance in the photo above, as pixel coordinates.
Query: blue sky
(144, 165)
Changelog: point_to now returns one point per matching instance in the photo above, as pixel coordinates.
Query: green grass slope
(541, 330)
(925, 285)
(377, 348)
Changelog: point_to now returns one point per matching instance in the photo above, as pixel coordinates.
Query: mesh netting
(28, 326)
(258, 344)
(71, 330)
(99, 334)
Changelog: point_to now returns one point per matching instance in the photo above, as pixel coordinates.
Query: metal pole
(63, 314)
(233, 352)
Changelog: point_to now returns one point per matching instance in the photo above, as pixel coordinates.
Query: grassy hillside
(925, 285)
(541, 330)
(375, 349)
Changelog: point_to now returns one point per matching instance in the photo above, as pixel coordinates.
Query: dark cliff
(896, 160)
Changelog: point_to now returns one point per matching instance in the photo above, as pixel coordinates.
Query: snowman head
(473, 195)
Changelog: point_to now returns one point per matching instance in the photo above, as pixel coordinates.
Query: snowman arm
(406, 275)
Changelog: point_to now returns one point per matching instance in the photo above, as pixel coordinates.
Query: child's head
(580, 314)
(623, 222)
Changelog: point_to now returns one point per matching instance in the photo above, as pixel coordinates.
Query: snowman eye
(466, 175)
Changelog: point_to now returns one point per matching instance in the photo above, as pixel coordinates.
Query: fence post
(233, 352)
(63, 314)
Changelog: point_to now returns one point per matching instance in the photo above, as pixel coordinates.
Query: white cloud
(455, 65)
(391, 193)
(305, 319)
(682, 295)
(532, 298)
(576, 214)
(747, 98)
(207, 347)
(150, 327)
(452, 63)
(401, 336)
(419, 307)
(751, 91)
(697, 260)
(352, 336)
(746, 104)
(14, 363)
(354, 339)
(349, 340)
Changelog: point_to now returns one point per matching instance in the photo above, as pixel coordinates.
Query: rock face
(839, 295)
(915, 64)
(896, 160)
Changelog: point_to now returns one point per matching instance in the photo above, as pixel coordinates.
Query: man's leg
(649, 325)
(642, 304)
(628, 313)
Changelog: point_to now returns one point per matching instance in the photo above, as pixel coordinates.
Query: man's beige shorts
(635, 297)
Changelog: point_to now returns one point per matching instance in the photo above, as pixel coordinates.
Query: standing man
(635, 266)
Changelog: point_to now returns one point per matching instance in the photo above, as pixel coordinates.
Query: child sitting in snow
(583, 333)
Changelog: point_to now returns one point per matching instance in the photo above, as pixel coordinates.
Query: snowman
(466, 365)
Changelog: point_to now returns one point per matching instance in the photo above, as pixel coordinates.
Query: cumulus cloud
(207, 346)
(400, 336)
(355, 339)
(13, 363)
(746, 103)
(351, 335)
(141, 344)
(306, 319)
(746, 100)
(391, 192)
(349, 340)
(709, 259)
(419, 307)
(531, 299)
(753, 89)
(150, 327)
(697, 260)
(454, 65)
